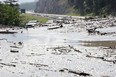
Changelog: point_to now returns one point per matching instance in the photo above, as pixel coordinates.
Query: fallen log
(16, 47)
(75, 72)
(10, 65)
(71, 47)
(7, 32)
(102, 58)
(53, 28)
(14, 51)
(38, 65)
(79, 73)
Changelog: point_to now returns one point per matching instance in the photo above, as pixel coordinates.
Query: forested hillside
(96, 7)
(81, 7)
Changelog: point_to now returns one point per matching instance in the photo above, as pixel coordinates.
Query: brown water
(99, 43)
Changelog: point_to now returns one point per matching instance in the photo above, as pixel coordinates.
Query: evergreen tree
(9, 15)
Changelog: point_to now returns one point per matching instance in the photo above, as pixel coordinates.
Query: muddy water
(111, 44)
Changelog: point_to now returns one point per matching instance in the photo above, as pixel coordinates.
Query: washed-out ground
(69, 51)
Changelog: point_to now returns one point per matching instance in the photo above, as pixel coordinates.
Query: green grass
(73, 14)
(27, 17)
(42, 19)
(90, 14)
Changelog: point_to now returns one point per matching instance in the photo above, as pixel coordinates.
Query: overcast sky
(22, 1)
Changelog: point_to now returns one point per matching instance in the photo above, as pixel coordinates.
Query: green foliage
(9, 15)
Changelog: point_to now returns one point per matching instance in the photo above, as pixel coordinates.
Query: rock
(61, 26)
(20, 43)
(21, 31)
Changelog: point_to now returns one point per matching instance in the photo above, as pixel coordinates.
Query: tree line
(94, 7)
(9, 15)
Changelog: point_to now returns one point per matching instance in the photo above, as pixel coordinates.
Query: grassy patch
(90, 14)
(42, 19)
(73, 14)
(27, 17)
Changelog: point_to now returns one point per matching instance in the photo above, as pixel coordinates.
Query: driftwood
(75, 72)
(63, 50)
(71, 47)
(14, 51)
(91, 30)
(38, 65)
(7, 32)
(79, 73)
(20, 45)
(102, 58)
(53, 28)
(11, 65)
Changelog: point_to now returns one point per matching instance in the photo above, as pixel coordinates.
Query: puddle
(45, 37)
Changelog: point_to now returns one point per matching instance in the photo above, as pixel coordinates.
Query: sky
(22, 1)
